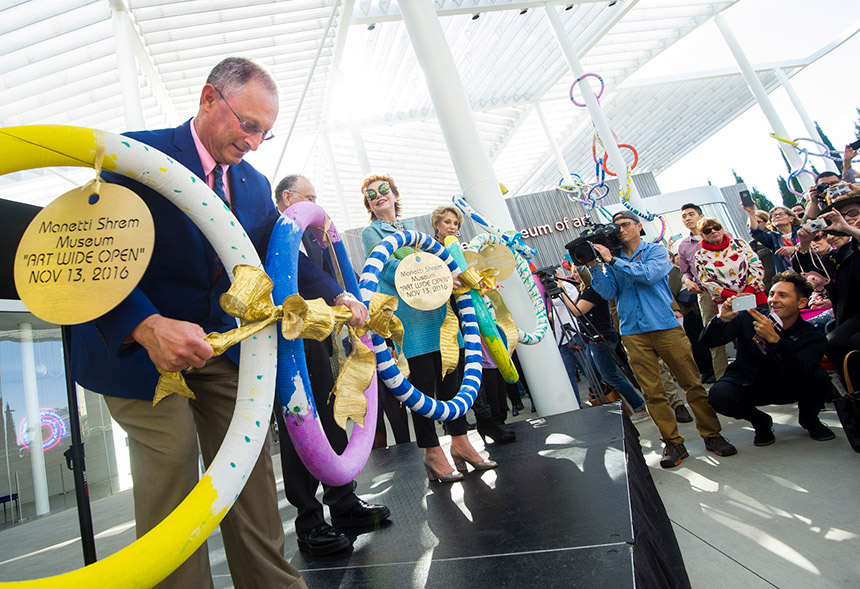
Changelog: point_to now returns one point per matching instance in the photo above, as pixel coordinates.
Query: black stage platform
(572, 504)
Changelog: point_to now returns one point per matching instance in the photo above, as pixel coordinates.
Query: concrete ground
(780, 516)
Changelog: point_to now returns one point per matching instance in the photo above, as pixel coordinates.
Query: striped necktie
(218, 188)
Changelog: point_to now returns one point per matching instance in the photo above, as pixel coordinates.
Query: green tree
(789, 199)
(761, 201)
(826, 141)
(794, 183)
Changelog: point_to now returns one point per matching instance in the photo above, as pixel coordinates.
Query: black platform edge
(572, 504)
(656, 555)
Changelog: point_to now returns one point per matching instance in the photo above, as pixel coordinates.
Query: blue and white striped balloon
(407, 394)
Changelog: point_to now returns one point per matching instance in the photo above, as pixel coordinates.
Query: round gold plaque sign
(499, 256)
(423, 281)
(83, 254)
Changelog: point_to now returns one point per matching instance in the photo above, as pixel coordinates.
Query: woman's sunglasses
(818, 237)
(707, 230)
(382, 190)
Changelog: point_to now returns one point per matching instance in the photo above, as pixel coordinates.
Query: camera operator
(595, 309)
(776, 364)
(828, 188)
(638, 279)
(564, 328)
(842, 266)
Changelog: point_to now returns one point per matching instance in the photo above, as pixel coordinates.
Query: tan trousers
(673, 393)
(709, 310)
(162, 442)
(644, 351)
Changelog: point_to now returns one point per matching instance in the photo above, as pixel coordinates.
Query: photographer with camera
(777, 363)
(842, 266)
(636, 275)
(595, 309)
(829, 187)
(728, 267)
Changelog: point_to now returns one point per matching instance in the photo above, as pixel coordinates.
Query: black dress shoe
(323, 540)
(361, 514)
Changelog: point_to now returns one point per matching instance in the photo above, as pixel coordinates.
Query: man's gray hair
(234, 72)
(286, 183)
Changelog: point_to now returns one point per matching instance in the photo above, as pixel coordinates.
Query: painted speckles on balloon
(247, 440)
(193, 179)
(259, 377)
(258, 424)
(233, 464)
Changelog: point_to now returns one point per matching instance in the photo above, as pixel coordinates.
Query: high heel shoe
(495, 432)
(433, 475)
(460, 463)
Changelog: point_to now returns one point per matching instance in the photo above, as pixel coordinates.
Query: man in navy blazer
(777, 361)
(163, 322)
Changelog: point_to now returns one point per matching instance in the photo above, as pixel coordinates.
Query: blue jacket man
(637, 277)
(163, 322)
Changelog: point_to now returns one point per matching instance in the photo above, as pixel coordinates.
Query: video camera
(581, 250)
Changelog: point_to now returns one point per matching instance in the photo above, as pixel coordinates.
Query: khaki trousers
(162, 443)
(673, 393)
(709, 310)
(644, 350)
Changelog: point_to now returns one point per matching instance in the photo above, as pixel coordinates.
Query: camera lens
(822, 187)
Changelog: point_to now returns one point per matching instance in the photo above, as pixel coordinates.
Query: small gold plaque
(499, 256)
(83, 254)
(475, 259)
(423, 281)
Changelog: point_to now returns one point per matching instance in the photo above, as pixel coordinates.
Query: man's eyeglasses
(851, 214)
(382, 190)
(707, 230)
(818, 237)
(626, 224)
(779, 214)
(249, 128)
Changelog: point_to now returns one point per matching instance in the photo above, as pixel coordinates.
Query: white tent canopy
(349, 79)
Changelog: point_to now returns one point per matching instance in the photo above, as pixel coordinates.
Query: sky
(769, 31)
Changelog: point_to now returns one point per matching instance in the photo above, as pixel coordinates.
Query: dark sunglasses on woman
(382, 190)
(707, 230)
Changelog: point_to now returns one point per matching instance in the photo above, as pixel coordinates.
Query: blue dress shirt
(640, 285)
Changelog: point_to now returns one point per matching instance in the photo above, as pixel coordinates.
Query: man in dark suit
(314, 535)
(163, 322)
(777, 361)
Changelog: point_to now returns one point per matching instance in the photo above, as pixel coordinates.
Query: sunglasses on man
(708, 230)
(382, 190)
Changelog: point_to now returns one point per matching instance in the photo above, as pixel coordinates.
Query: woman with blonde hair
(781, 239)
(420, 340)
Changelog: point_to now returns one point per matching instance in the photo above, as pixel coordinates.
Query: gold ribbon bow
(484, 282)
(249, 299)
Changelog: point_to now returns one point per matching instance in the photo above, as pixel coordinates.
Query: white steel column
(127, 65)
(762, 98)
(804, 116)
(550, 386)
(553, 145)
(604, 131)
(34, 420)
(360, 151)
(332, 166)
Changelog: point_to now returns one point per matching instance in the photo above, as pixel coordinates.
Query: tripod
(588, 332)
